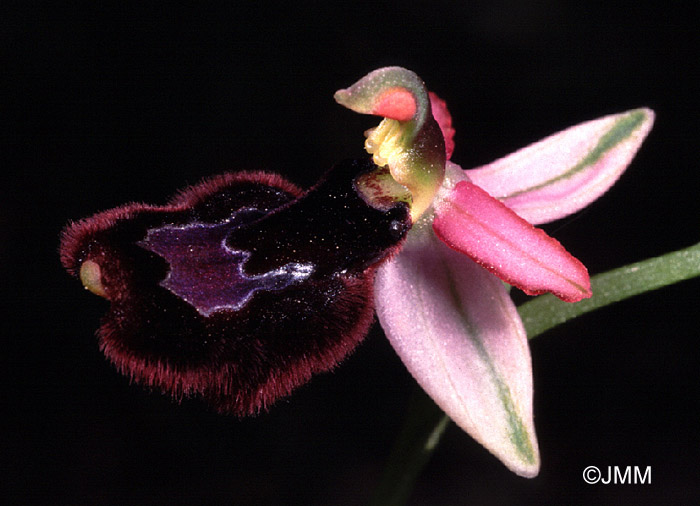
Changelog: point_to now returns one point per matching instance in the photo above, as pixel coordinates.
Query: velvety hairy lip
(241, 288)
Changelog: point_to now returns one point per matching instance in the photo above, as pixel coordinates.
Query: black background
(104, 105)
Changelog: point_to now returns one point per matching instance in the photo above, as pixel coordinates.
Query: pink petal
(444, 120)
(567, 171)
(458, 333)
(471, 221)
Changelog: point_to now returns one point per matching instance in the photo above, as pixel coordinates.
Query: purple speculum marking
(241, 288)
(208, 274)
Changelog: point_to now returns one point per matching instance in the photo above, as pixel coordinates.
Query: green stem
(545, 312)
(425, 422)
(418, 438)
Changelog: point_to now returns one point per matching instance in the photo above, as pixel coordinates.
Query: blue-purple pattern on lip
(210, 275)
(242, 287)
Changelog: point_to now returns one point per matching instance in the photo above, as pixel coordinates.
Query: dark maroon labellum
(241, 288)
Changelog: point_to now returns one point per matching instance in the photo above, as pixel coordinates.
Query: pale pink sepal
(567, 171)
(459, 334)
(472, 222)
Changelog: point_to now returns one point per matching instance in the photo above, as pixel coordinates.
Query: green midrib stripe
(619, 132)
(517, 433)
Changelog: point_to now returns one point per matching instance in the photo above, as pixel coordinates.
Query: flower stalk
(546, 312)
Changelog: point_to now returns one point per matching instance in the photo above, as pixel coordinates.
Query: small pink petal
(458, 333)
(395, 103)
(567, 171)
(471, 221)
(444, 119)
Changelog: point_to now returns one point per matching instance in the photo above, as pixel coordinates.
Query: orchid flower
(440, 299)
(242, 287)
